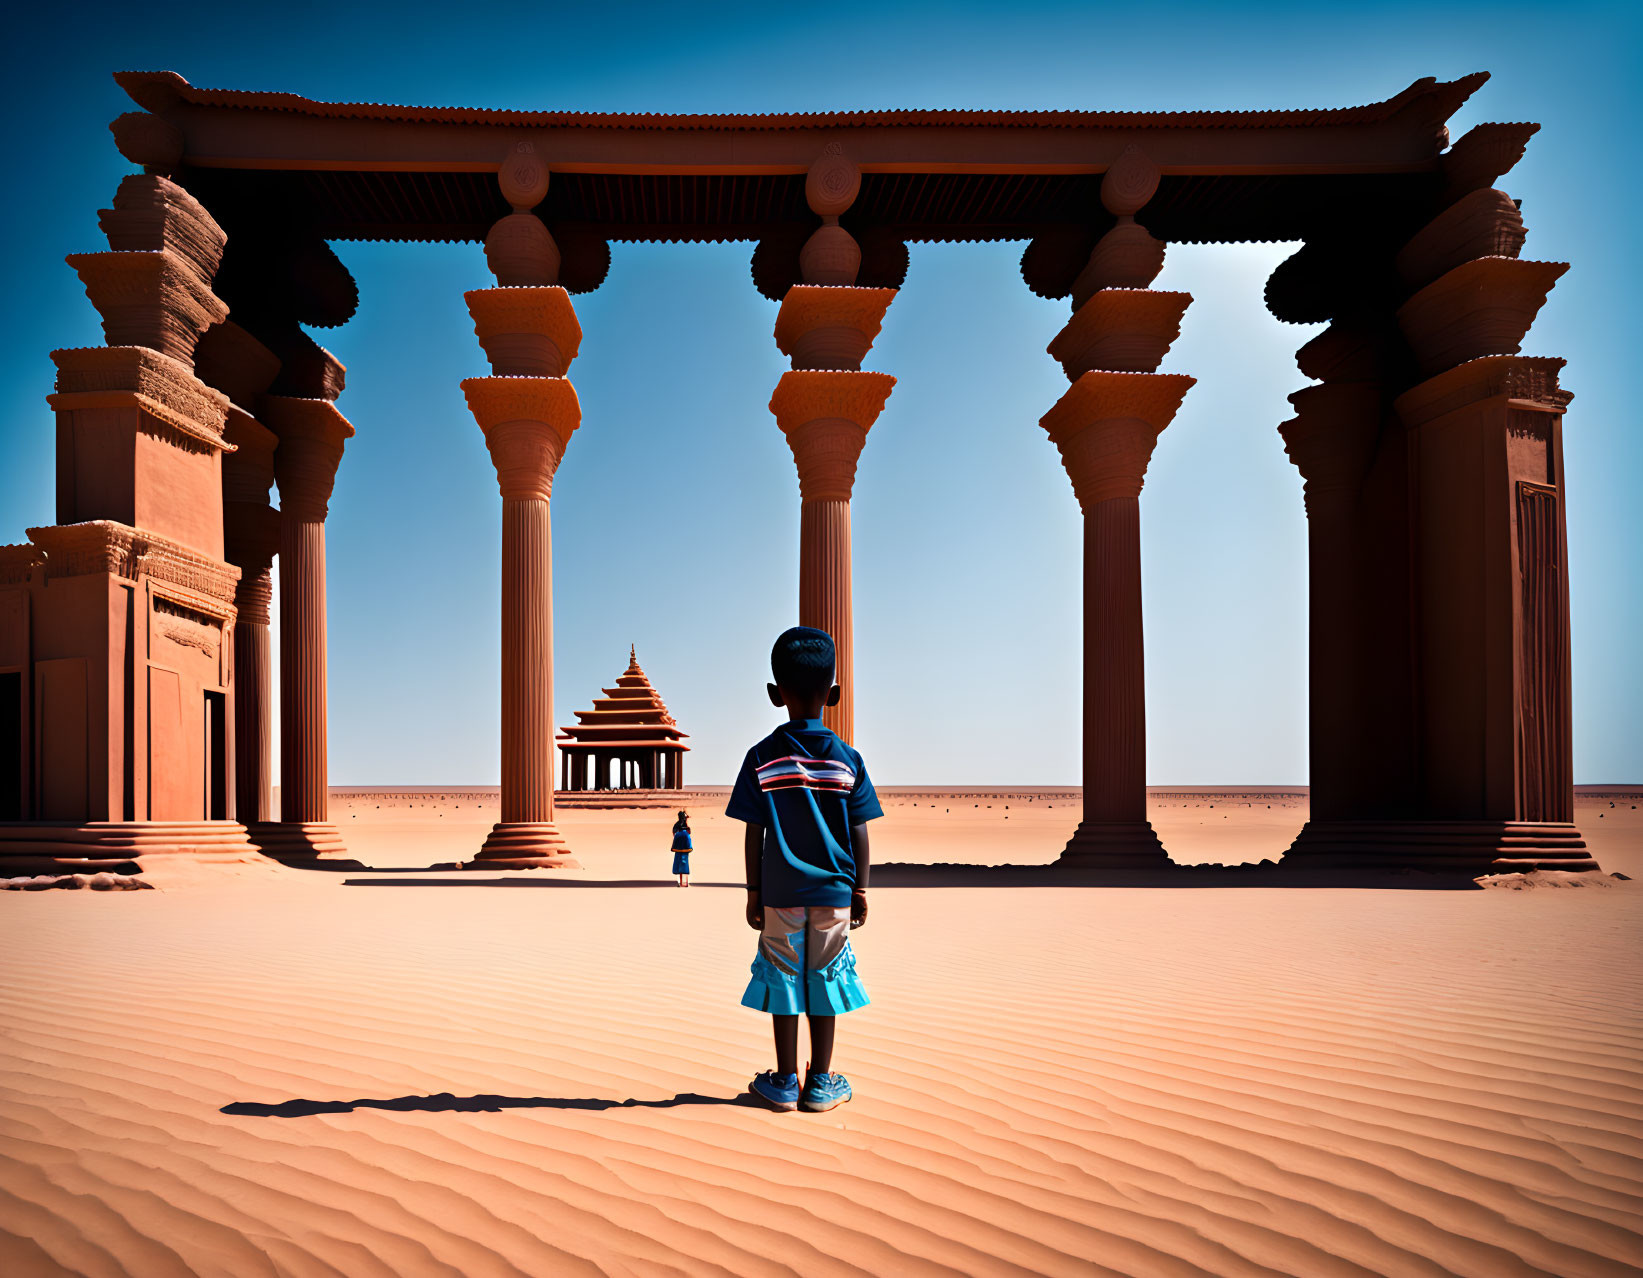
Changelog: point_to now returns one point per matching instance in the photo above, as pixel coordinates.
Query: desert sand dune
(260, 1070)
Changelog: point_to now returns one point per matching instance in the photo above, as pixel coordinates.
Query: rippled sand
(256, 1070)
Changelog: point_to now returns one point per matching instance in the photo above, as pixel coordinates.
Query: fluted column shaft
(303, 709)
(527, 660)
(1115, 716)
(311, 437)
(253, 696)
(824, 597)
(527, 422)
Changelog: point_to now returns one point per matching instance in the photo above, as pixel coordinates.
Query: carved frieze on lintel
(103, 546)
(89, 370)
(17, 564)
(1528, 381)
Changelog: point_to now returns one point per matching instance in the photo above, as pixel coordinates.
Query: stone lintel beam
(236, 363)
(1526, 381)
(1482, 307)
(527, 421)
(826, 417)
(289, 133)
(1332, 438)
(526, 332)
(311, 437)
(833, 327)
(1120, 330)
(1106, 427)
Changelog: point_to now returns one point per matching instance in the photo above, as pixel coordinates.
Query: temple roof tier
(631, 715)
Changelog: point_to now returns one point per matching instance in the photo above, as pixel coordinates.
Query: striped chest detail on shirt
(796, 772)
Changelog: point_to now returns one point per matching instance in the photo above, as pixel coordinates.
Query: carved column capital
(251, 537)
(1481, 307)
(525, 332)
(830, 327)
(527, 421)
(247, 471)
(236, 363)
(826, 417)
(311, 435)
(1331, 439)
(1106, 426)
(1120, 330)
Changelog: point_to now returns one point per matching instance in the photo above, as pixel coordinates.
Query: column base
(1115, 845)
(297, 841)
(1470, 847)
(524, 845)
(47, 847)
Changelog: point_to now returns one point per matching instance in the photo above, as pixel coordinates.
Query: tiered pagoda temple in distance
(628, 741)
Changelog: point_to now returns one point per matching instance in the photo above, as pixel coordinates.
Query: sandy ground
(258, 1070)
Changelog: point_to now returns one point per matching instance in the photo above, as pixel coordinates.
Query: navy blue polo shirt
(806, 788)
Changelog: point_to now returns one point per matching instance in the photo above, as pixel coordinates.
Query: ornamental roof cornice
(1427, 98)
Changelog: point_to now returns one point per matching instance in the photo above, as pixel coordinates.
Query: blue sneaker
(824, 1091)
(779, 1091)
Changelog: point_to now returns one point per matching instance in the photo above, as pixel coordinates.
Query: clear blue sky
(676, 509)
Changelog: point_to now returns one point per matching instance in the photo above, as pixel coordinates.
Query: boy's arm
(864, 864)
(753, 856)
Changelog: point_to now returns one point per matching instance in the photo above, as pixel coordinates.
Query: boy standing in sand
(806, 798)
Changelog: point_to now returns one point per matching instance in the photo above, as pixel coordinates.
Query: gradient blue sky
(676, 508)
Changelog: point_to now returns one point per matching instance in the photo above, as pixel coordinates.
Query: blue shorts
(805, 965)
(681, 862)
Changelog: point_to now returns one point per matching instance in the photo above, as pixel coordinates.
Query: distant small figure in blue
(681, 848)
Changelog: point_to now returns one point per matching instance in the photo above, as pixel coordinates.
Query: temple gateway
(134, 657)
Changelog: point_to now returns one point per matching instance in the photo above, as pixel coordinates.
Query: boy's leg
(787, 1043)
(821, 1044)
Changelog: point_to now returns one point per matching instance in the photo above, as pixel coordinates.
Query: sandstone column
(236, 363)
(1332, 440)
(311, 436)
(1106, 426)
(826, 406)
(252, 531)
(527, 410)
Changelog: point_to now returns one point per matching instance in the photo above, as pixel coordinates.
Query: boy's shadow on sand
(445, 1102)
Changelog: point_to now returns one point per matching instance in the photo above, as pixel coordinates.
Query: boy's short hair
(802, 660)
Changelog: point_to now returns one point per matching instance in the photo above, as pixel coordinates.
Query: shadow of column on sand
(1262, 874)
